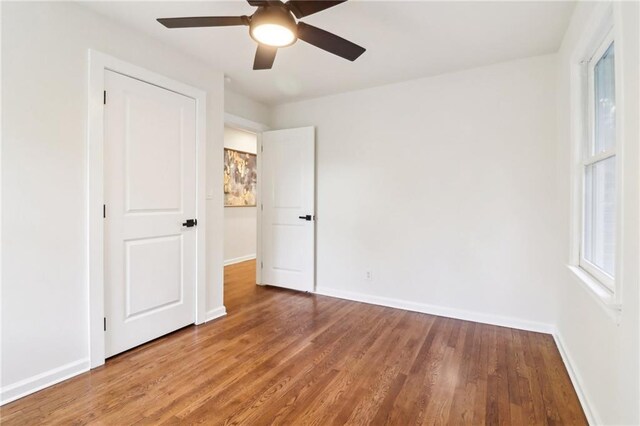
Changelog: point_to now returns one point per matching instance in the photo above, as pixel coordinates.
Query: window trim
(601, 23)
(589, 156)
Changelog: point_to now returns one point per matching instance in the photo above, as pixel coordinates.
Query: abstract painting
(240, 177)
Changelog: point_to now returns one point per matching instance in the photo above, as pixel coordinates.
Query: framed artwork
(240, 177)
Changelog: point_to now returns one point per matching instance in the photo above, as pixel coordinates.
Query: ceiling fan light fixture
(273, 35)
(273, 26)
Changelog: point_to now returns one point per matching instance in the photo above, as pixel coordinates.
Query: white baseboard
(215, 313)
(40, 381)
(239, 259)
(440, 310)
(575, 380)
(49, 378)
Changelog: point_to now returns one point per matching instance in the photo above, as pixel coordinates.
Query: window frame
(589, 156)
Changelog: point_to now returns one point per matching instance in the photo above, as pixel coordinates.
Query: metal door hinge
(261, 148)
(105, 323)
(261, 265)
(104, 210)
(104, 97)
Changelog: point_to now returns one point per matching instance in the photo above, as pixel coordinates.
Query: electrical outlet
(368, 276)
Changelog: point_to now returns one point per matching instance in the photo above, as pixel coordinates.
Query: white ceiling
(404, 40)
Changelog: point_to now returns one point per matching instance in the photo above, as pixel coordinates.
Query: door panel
(153, 274)
(150, 190)
(286, 255)
(156, 184)
(288, 192)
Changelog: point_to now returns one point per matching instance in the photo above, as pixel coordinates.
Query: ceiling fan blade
(265, 55)
(258, 3)
(329, 42)
(302, 8)
(204, 21)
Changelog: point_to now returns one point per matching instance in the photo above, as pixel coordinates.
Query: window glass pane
(605, 102)
(599, 214)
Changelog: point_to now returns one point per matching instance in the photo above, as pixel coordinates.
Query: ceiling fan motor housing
(273, 14)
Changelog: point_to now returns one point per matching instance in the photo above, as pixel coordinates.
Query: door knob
(190, 222)
(307, 217)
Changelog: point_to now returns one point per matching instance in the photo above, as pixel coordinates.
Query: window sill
(602, 295)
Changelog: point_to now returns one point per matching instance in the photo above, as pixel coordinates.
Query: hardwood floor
(291, 358)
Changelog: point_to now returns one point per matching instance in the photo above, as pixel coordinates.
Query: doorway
(240, 192)
(240, 195)
(284, 210)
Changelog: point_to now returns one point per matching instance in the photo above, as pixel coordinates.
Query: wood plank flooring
(282, 357)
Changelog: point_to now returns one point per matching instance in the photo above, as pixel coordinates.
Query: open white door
(150, 193)
(288, 208)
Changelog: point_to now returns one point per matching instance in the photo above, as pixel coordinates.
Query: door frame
(98, 64)
(240, 123)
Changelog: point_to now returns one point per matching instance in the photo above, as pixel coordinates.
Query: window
(598, 239)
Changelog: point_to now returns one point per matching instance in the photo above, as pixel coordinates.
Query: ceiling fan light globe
(273, 35)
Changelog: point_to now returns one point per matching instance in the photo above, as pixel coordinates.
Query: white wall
(239, 222)
(602, 348)
(242, 106)
(442, 188)
(44, 180)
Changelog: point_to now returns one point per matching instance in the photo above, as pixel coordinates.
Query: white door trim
(240, 123)
(98, 63)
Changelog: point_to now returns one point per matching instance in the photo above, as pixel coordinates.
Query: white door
(150, 191)
(288, 208)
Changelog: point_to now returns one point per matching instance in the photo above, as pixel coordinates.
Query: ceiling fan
(274, 25)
